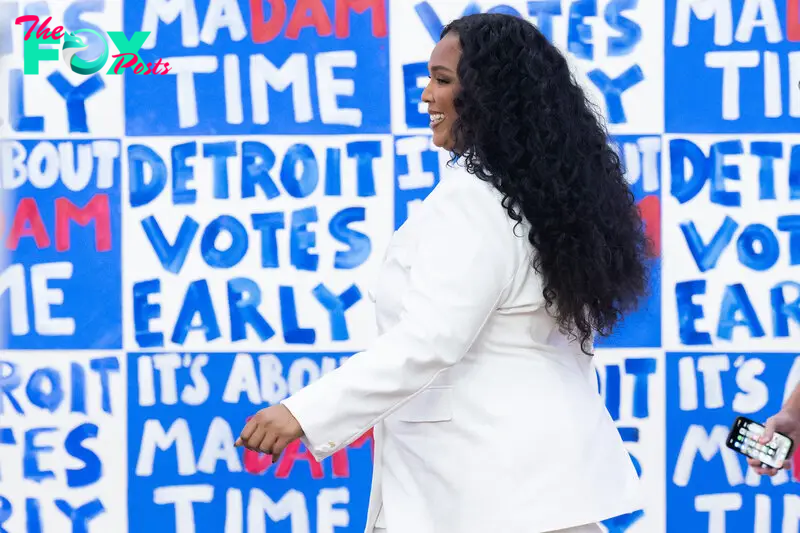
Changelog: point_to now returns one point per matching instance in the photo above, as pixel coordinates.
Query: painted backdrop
(182, 249)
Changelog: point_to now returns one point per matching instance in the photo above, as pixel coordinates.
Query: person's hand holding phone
(786, 421)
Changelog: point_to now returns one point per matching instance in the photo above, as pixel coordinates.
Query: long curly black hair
(527, 127)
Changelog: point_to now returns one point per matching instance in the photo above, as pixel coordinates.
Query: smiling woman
(441, 92)
(488, 304)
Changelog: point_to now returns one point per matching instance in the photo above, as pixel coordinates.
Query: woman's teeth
(436, 118)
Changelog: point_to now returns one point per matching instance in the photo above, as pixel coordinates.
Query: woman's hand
(786, 422)
(270, 430)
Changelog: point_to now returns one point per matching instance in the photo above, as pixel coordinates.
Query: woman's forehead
(446, 52)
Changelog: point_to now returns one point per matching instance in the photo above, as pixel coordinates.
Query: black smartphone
(744, 436)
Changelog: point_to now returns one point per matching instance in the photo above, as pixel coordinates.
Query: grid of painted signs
(185, 248)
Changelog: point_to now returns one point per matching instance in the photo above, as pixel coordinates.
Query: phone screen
(744, 438)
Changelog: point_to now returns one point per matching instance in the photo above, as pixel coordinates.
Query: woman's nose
(427, 94)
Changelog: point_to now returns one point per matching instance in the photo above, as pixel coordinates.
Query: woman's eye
(439, 80)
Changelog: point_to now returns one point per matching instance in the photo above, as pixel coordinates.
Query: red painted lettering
(650, 210)
(793, 20)
(796, 465)
(138, 68)
(265, 30)
(58, 33)
(292, 454)
(131, 62)
(27, 223)
(308, 13)
(343, 8)
(341, 463)
(166, 67)
(96, 210)
(255, 462)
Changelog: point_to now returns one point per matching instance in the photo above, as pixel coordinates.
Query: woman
(480, 386)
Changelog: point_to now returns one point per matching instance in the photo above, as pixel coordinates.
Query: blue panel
(642, 328)
(193, 399)
(692, 107)
(715, 390)
(420, 164)
(62, 236)
(353, 45)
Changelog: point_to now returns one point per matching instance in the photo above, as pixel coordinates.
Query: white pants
(588, 528)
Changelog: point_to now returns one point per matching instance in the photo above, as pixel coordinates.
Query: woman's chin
(440, 140)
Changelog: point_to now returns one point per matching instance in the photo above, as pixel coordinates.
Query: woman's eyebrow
(440, 67)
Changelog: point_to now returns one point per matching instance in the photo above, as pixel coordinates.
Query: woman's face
(442, 89)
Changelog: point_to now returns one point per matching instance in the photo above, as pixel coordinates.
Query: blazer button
(331, 444)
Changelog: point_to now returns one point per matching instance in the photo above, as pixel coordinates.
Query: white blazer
(486, 418)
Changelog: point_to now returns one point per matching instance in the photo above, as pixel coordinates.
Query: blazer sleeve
(465, 260)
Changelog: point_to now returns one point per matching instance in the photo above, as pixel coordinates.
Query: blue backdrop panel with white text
(257, 67)
(747, 54)
(185, 413)
(709, 486)
(61, 229)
